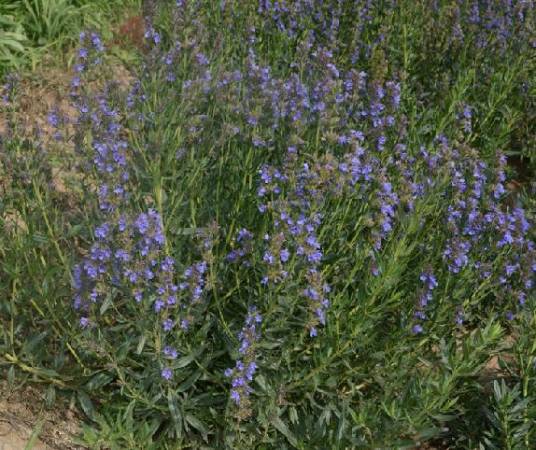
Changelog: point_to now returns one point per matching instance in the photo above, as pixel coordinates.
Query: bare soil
(24, 418)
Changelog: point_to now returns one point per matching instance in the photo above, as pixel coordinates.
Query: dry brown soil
(23, 412)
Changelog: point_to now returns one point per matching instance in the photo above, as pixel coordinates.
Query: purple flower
(167, 325)
(170, 352)
(166, 373)
(102, 231)
(201, 59)
(246, 367)
(235, 395)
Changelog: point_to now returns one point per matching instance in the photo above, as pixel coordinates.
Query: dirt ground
(24, 418)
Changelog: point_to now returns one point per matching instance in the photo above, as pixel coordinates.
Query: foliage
(12, 39)
(29, 28)
(293, 230)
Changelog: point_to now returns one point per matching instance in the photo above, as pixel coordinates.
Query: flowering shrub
(292, 241)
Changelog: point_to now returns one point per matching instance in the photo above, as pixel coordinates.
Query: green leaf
(99, 380)
(47, 373)
(75, 230)
(261, 381)
(197, 424)
(50, 396)
(32, 343)
(11, 376)
(141, 344)
(429, 433)
(122, 351)
(185, 385)
(86, 404)
(184, 361)
(35, 434)
(40, 238)
(293, 415)
(175, 412)
(106, 304)
(283, 429)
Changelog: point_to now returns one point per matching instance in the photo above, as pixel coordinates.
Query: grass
(33, 29)
(363, 151)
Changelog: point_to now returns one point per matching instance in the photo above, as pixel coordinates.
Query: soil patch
(24, 419)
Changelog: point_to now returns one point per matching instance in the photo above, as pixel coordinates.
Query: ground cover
(271, 225)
